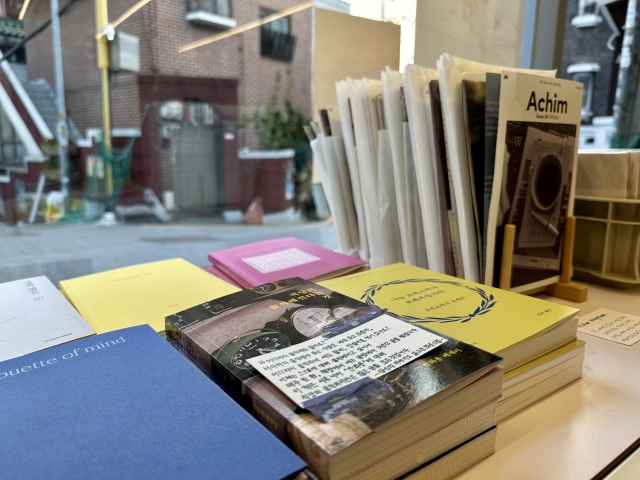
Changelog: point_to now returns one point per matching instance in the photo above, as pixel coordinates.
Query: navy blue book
(127, 405)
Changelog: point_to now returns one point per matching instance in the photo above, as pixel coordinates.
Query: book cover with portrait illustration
(222, 335)
(535, 164)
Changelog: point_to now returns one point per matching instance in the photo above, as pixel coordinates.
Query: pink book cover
(213, 270)
(272, 260)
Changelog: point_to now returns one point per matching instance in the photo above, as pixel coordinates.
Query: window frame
(199, 7)
(590, 69)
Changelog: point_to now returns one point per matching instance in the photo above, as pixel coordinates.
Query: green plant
(278, 127)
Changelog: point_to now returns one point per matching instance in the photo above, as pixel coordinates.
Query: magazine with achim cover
(536, 154)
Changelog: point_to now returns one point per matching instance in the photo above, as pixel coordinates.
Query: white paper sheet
(415, 229)
(414, 80)
(322, 365)
(610, 325)
(335, 173)
(391, 85)
(346, 123)
(366, 148)
(389, 225)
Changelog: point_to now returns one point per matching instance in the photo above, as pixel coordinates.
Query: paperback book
(534, 180)
(446, 200)
(473, 105)
(35, 316)
(125, 404)
(516, 327)
(272, 260)
(225, 336)
(141, 294)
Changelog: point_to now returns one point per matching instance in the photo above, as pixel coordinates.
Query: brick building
(591, 51)
(225, 78)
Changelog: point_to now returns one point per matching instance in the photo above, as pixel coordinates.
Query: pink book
(272, 260)
(213, 270)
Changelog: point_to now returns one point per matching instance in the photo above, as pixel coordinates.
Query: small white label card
(282, 260)
(322, 365)
(615, 326)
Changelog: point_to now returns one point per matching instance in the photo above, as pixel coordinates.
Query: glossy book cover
(222, 335)
(272, 260)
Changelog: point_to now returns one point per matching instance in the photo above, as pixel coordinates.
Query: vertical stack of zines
(428, 166)
(459, 153)
(536, 338)
(112, 405)
(356, 392)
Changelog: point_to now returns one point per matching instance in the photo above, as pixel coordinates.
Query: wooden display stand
(565, 288)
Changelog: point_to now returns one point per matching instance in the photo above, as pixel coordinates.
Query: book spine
(270, 408)
(453, 227)
(453, 215)
(492, 109)
(203, 360)
(188, 347)
(442, 172)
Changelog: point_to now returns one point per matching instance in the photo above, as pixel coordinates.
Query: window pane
(7, 128)
(224, 8)
(8, 153)
(208, 5)
(586, 78)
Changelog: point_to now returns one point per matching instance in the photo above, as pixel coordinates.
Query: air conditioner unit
(125, 53)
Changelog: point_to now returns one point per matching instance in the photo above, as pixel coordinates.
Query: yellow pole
(102, 19)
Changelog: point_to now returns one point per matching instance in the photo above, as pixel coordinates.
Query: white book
(348, 135)
(35, 316)
(451, 72)
(360, 93)
(391, 92)
(415, 80)
(534, 177)
(415, 229)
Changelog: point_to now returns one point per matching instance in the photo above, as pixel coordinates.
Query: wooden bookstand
(565, 288)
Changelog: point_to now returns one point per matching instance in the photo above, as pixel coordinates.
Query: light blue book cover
(127, 405)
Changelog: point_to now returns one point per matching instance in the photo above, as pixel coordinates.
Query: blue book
(127, 405)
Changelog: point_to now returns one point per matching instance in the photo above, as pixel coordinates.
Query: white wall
(488, 31)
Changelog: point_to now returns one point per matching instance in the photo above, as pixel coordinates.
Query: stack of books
(439, 161)
(536, 338)
(416, 416)
(394, 372)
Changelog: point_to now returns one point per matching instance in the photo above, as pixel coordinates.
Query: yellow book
(516, 327)
(145, 293)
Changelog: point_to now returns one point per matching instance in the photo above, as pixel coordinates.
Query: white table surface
(576, 432)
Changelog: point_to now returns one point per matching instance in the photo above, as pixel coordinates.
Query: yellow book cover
(145, 293)
(494, 320)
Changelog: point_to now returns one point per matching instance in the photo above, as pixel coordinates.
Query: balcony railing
(277, 45)
(214, 13)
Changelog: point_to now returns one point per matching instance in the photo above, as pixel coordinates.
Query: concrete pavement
(66, 251)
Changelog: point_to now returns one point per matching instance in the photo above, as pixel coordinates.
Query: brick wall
(589, 45)
(162, 29)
